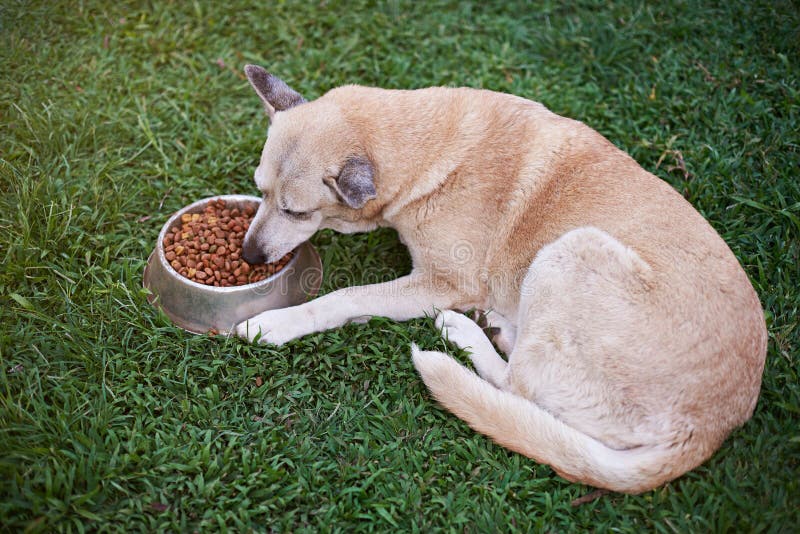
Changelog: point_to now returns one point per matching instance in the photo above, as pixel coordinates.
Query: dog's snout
(251, 253)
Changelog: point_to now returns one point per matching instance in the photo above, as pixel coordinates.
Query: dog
(635, 340)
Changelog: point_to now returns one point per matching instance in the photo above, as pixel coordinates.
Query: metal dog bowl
(199, 308)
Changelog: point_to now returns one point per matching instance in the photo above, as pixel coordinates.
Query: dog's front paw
(274, 326)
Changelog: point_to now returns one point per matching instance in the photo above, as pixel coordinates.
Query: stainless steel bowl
(199, 308)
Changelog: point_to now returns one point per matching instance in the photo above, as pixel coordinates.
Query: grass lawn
(115, 114)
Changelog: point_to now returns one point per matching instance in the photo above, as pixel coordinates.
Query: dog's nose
(252, 254)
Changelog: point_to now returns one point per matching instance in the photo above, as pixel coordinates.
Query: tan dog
(635, 341)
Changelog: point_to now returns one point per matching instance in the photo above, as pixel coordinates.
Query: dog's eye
(296, 214)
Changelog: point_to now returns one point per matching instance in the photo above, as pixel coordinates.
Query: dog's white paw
(461, 330)
(467, 335)
(275, 326)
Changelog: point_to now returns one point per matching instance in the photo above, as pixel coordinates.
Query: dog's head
(313, 173)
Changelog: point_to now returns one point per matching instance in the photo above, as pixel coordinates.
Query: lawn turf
(114, 115)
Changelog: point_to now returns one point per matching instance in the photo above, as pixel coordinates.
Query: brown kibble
(207, 247)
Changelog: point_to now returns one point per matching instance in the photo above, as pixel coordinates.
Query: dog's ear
(274, 93)
(355, 184)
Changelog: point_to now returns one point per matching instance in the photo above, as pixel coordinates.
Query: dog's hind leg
(505, 332)
(582, 390)
(467, 335)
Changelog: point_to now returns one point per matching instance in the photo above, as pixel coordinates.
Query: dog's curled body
(635, 341)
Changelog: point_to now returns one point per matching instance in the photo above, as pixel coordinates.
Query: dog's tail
(524, 427)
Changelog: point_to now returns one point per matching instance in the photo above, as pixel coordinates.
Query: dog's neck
(413, 157)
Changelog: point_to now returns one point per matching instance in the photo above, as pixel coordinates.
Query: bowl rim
(182, 279)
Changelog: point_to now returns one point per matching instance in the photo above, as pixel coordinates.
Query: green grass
(111, 418)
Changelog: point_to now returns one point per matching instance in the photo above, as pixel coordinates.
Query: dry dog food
(207, 247)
